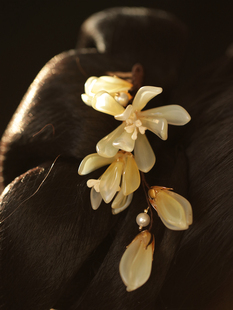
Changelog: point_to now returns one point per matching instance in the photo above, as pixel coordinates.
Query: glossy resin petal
(96, 199)
(174, 210)
(157, 125)
(93, 162)
(110, 84)
(131, 177)
(174, 114)
(105, 103)
(105, 146)
(124, 142)
(136, 262)
(110, 181)
(121, 202)
(144, 95)
(143, 154)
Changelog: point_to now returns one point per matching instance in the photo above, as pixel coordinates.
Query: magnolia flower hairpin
(112, 95)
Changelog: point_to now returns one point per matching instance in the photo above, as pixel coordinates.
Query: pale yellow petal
(136, 262)
(131, 177)
(143, 154)
(173, 210)
(110, 181)
(103, 102)
(89, 85)
(158, 126)
(111, 84)
(174, 114)
(96, 199)
(121, 202)
(185, 204)
(87, 99)
(93, 162)
(124, 142)
(144, 95)
(126, 114)
(104, 147)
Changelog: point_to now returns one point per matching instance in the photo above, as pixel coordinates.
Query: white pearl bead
(122, 98)
(143, 219)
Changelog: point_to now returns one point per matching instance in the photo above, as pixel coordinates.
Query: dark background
(34, 31)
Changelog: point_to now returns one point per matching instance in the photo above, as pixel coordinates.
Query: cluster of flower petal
(130, 135)
(136, 262)
(122, 177)
(174, 210)
(107, 91)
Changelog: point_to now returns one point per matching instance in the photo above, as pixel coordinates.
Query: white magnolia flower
(130, 135)
(121, 176)
(107, 94)
(136, 262)
(174, 210)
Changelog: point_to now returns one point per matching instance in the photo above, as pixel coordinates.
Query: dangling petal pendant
(174, 210)
(136, 262)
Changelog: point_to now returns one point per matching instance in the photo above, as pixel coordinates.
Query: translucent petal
(185, 204)
(110, 181)
(89, 85)
(96, 199)
(104, 147)
(87, 99)
(143, 154)
(174, 114)
(121, 202)
(131, 177)
(93, 162)
(174, 210)
(136, 262)
(144, 95)
(124, 142)
(103, 102)
(126, 114)
(158, 126)
(110, 84)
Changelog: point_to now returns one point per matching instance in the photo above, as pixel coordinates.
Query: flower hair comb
(114, 96)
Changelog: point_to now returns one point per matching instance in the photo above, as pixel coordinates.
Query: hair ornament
(113, 95)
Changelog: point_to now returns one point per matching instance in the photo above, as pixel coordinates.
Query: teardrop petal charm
(136, 262)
